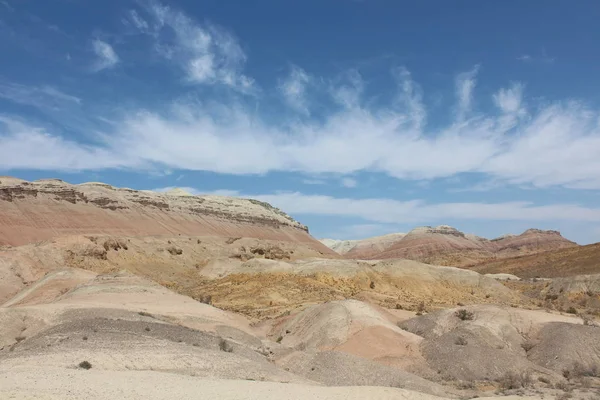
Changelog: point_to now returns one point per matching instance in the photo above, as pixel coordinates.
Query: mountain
(360, 249)
(560, 262)
(339, 246)
(49, 208)
(445, 245)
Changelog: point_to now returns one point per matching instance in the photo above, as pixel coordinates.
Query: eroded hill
(445, 245)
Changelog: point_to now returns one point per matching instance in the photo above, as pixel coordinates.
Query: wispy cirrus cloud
(106, 56)
(206, 53)
(391, 211)
(541, 57)
(43, 96)
(349, 182)
(540, 145)
(465, 84)
(557, 144)
(293, 89)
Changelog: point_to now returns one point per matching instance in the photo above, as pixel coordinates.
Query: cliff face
(40, 210)
(529, 242)
(445, 245)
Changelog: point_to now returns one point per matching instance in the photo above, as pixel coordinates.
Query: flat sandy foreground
(59, 384)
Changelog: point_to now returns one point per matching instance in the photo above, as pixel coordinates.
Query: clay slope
(254, 277)
(487, 343)
(445, 245)
(45, 209)
(562, 262)
(365, 248)
(130, 330)
(169, 260)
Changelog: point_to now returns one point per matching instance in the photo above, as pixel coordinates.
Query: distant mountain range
(445, 245)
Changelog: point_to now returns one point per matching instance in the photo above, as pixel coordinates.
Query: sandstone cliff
(45, 209)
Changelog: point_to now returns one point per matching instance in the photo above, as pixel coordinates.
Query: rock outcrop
(45, 209)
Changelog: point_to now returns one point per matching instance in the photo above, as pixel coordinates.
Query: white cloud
(541, 57)
(314, 181)
(39, 96)
(197, 192)
(139, 22)
(411, 99)
(348, 93)
(465, 83)
(362, 231)
(206, 53)
(509, 100)
(26, 147)
(414, 211)
(349, 182)
(554, 144)
(418, 211)
(107, 58)
(293, 89)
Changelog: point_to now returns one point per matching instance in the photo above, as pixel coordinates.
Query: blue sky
(358, 118)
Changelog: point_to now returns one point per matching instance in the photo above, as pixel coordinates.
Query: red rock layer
(445, 245)
(41, 210)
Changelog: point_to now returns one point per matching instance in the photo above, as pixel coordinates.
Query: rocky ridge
(445, 245)
(49, 208)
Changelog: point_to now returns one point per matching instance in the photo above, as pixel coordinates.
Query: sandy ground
(59, 384)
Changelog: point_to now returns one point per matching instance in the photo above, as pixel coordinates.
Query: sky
(357, 118)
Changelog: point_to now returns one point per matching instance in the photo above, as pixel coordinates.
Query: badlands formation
(110, 293)
(445, 245)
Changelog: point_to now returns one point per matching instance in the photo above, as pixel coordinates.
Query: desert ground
(112, 293)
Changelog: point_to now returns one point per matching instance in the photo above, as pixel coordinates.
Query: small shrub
(174, 251)
(564, 396)
(461, 341)
(421, 308)
(372, 285)
(398, 306)
(580, 370)
(85, 365)
(563, 385)
(464, 315)
(515, 380)
(225, 346)
(551, 297)
(145, 314)
(465, 385)
(279, 339)
(206, 299)
(544, 380)
(527, 345)
(487, 296)
(85, 338)
(571, 310)
(147, 329)
(587, 320)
